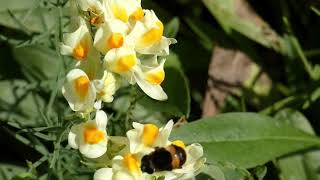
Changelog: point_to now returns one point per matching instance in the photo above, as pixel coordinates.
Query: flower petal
(101, 120)
(163, 137)
(154, 91)
(103, 174)
(78, 102)
(72, 136)
(93, 150)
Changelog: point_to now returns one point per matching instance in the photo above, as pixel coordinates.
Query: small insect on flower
(164, 159)
(145, 137)
(160, 156)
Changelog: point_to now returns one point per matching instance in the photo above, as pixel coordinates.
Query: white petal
(154, 91)
(93, 150)
(194, 152)
(162, 139)
(134, 140)
(72, 137)
(117, 163)
(103, 174)
(71, 39)
(160, 49)
(65, 50)
(122, 175)
(98, 105)
(137, 31)
(101, 120)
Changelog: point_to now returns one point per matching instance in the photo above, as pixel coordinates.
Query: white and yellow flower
(127, 167)
(79, 91)
(147, 36)
(90, 137)
(124, 10)
(106, 87)
(145, 137)
(77, 44)
(110, 35)
(124, 62)
(149, 79)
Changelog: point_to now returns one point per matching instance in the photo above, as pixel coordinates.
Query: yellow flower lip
(93, 135)
(155, 78)
(115, 40)
(80, 52)
(137, 14)
(120, 13)
(179, 143)
(81, 86)
(153, 36)
(150, 134)
(131, 162)
(125, 63)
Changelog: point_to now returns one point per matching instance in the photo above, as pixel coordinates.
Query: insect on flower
(164, 159)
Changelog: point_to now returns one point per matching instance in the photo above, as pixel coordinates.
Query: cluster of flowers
(116, 43)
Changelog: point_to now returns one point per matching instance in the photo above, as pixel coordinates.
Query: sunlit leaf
(244, 139)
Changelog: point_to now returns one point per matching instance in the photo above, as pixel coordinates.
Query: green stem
(282, 104)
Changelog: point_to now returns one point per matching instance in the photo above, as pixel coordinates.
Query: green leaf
(244, 139)
(37, 62)
(177, 89)
(173, 61)
(211, 172)
(303, 166)
(172, 27)
(8, 171)
(260, 172)
(20, 104)
(226, 12)
(27, 16)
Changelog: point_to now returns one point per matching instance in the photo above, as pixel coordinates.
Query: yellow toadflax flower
(123, 167)
(144, 138)
(124, 62)
(79, 91)
(124, 10)
(152, 142)
(77, 44)
(152, 155)
(90, 137)
(110, 35)
(147, 36)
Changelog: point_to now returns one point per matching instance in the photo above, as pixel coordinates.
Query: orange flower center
(115, 41)
(150, 134)
(92, 135)
(131, 162)
(82, 86)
